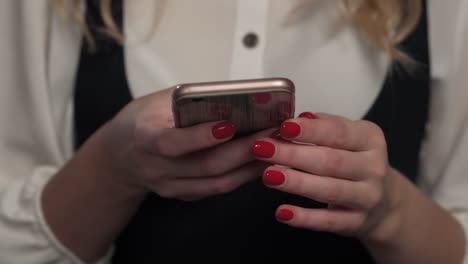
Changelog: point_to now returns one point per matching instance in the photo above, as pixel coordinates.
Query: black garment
(242, 222)
(101, 87)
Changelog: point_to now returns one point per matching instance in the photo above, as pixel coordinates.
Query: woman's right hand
(92, 198)
(146, 153)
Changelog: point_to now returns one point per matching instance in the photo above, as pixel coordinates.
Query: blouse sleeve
(32, 120)
(25, 236)
(444, 167)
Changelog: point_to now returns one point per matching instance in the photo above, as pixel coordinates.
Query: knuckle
(355, 226)
(375, 198)
(379, 141)
(142, 131)
(377, 137)
(378, 170)
(333, 193)
(202, 136)
(144, 124)
(347, 230)
(291, 152)
(148, 175)
(376, 129)
(332, 162)
(329, 223)
(223, 186)
(210, 166)
(370, 125)
(166, 149)
(166, 193)
(340, 134)
(297, 183)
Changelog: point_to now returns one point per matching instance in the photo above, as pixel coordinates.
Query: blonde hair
(385, 23)
(110, 29)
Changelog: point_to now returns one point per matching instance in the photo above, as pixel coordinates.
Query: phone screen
(250, 112)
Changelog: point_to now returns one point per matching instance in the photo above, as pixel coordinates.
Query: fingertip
(290, 129)
(263, 149)
(284, 214)
(273, 177)
(308, 115)
(224, 130)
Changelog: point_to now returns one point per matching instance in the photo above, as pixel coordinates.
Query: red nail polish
(223, 130)
(274, 178)
(284, 215)
(263, 149)
(308, 115)
(261, 98)
(290, 130)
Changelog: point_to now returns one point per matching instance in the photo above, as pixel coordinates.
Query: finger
(334, 132)
(175, 142)
(322, 189)
(193, 189)
(322, 115)
(317, 160)
(217, 160)
(343, 222)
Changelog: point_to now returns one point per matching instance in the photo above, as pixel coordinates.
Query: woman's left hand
(336, 161)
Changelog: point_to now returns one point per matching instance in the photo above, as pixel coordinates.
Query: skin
(344, 163)
(136, 153)
(139, 152)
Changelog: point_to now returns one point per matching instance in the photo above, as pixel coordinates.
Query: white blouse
(170, 42)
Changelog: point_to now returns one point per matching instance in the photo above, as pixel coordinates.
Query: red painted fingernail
(308, 115)
(263, 149)
(223, 130)
(290, 130)
(284, 214)
(261, 98)
(274, 178)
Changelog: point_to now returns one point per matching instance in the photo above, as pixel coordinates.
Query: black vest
(241, 225)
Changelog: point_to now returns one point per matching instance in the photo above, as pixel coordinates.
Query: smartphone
(252, 104)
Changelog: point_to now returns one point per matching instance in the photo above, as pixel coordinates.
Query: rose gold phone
(252, 105)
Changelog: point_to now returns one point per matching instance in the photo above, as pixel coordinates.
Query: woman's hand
(146, 152)
(92, 198)
(336, 161)
(343, 163)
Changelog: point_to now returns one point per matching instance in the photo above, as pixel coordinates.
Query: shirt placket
(249, 36)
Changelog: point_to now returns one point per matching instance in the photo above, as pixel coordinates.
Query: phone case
(252, 105)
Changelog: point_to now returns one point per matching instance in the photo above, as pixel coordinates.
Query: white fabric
(444, 166)
(178, 41)
(252, 16)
